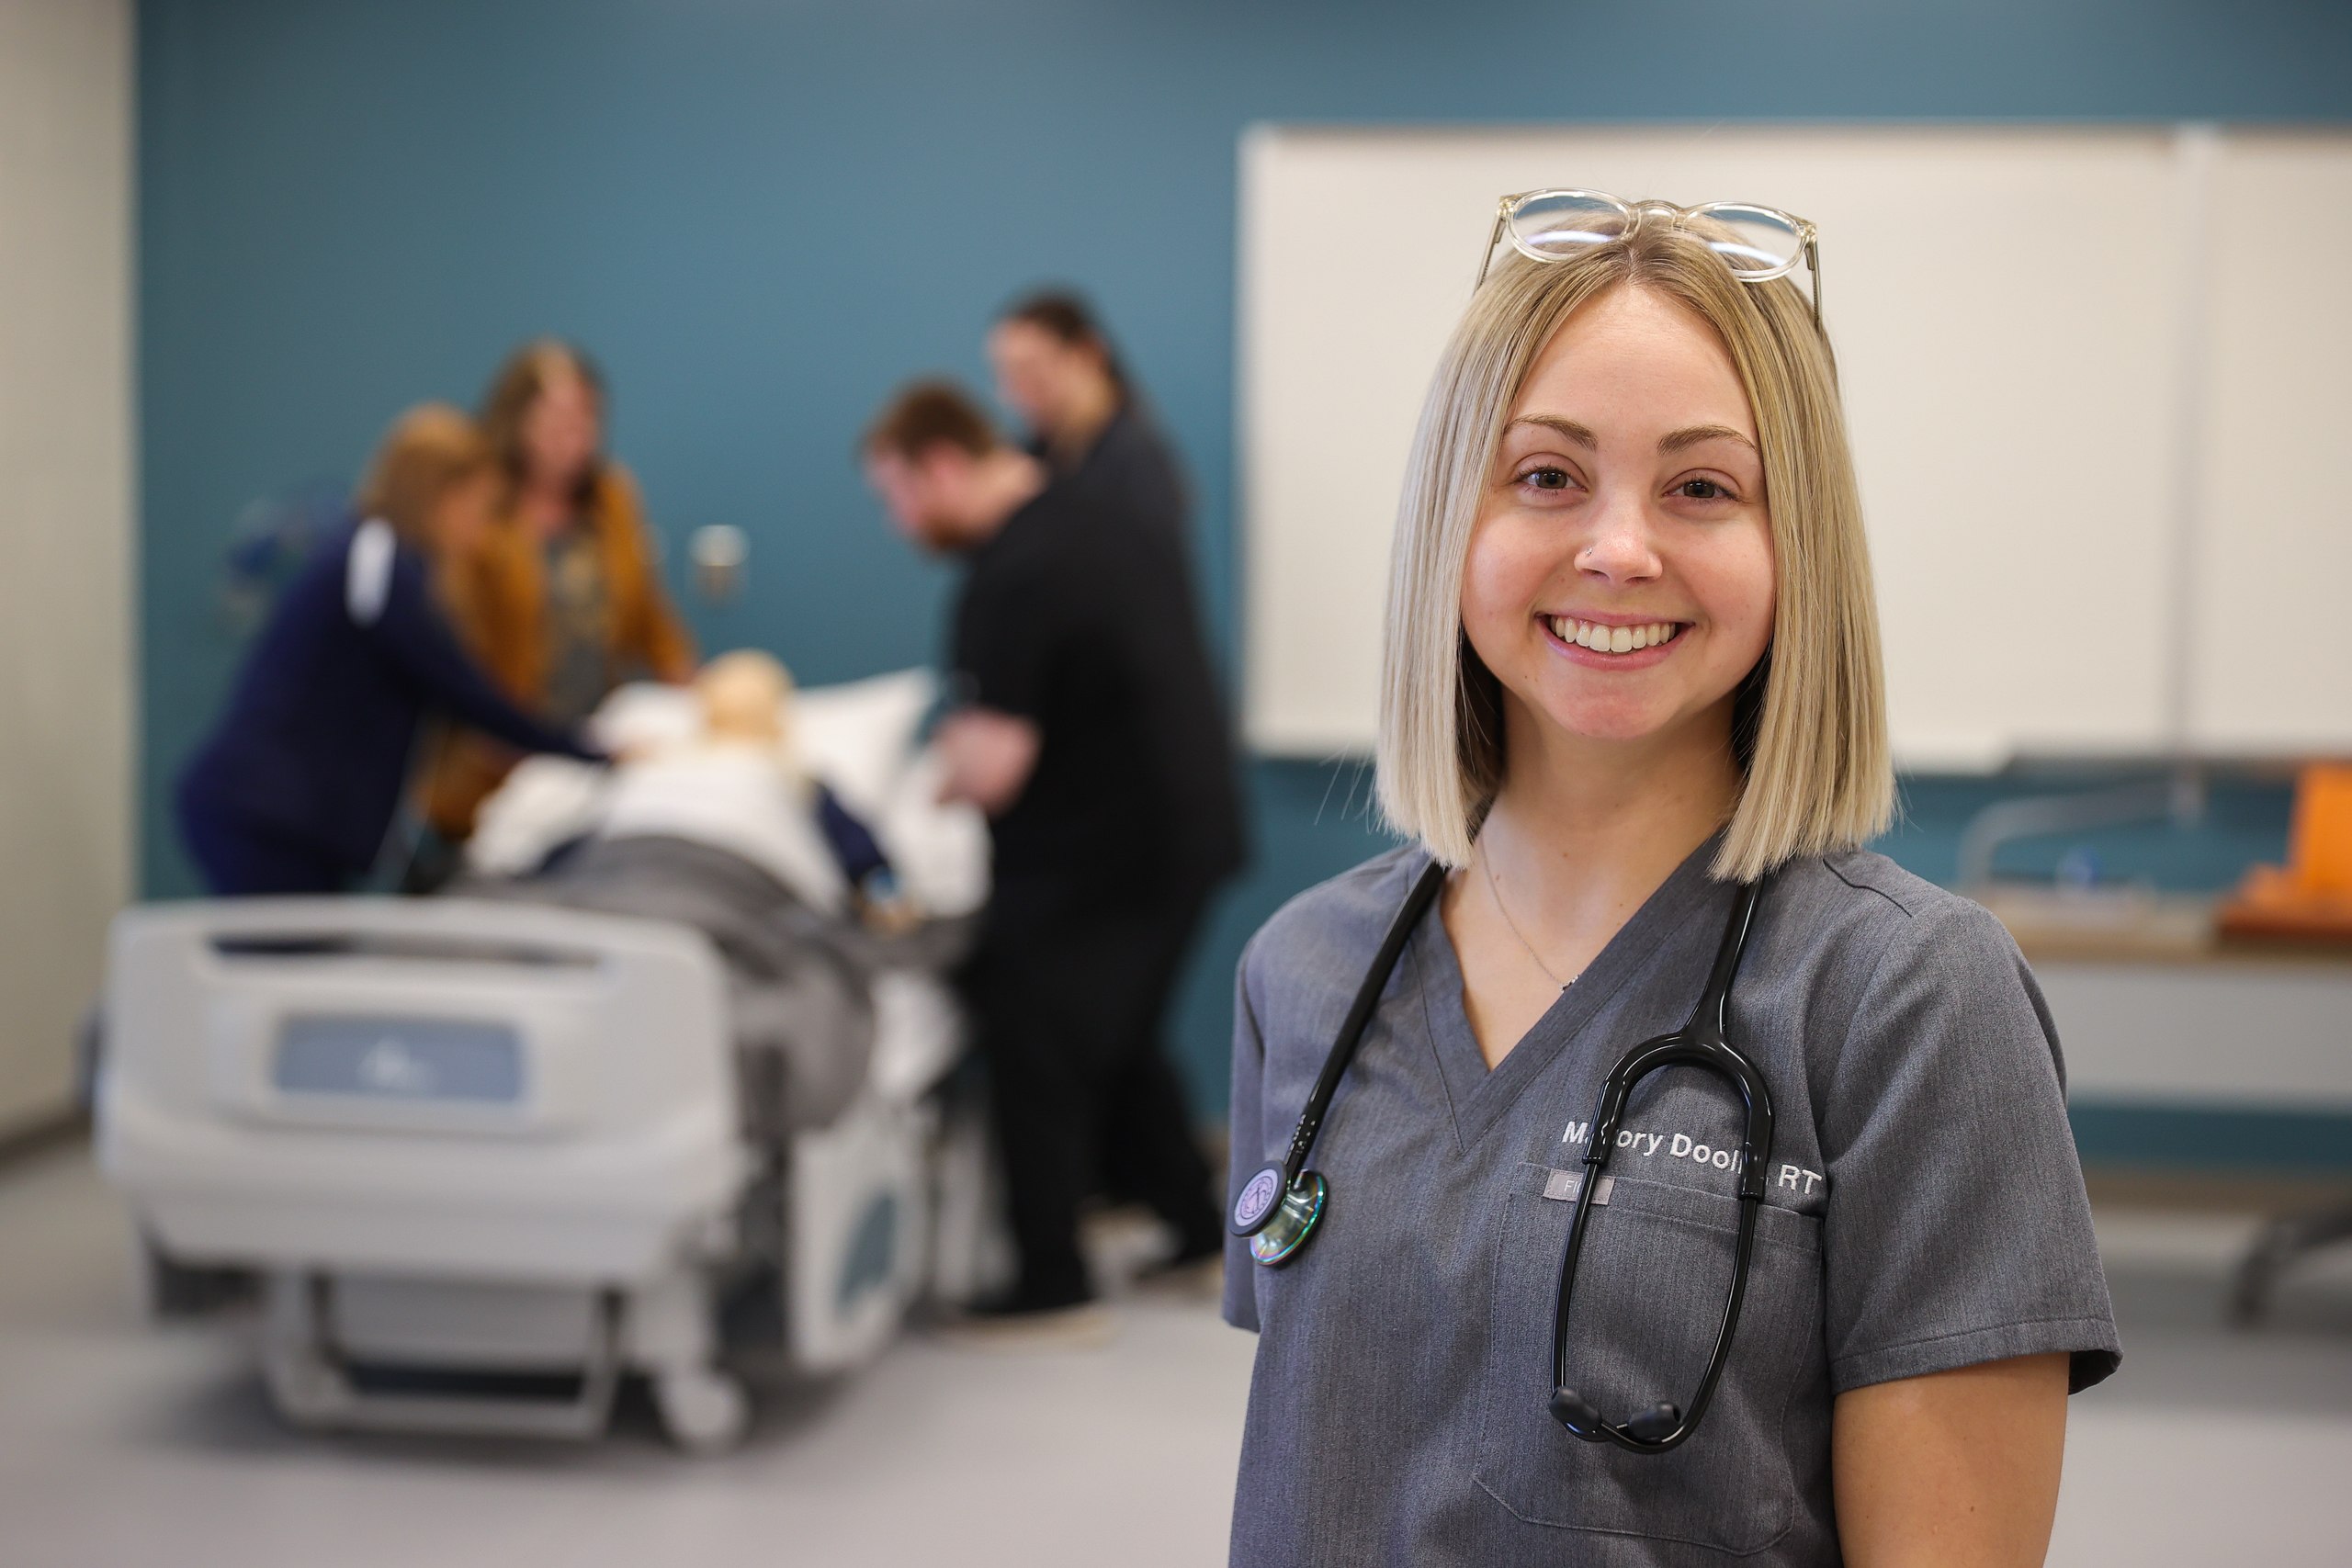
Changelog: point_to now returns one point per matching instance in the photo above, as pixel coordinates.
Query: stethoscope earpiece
(1654, 1424)
(1572, 1410)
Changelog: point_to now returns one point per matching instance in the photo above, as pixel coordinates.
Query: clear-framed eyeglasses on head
(1759, 243)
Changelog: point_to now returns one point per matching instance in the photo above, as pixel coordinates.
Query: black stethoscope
(1279, 1206)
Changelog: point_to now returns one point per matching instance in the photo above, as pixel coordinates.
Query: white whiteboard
(2046, 398)
(2269, 650)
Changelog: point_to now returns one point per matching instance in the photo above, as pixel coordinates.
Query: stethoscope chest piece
(1276, 1210)
(1282, 1231)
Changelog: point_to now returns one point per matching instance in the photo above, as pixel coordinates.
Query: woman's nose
(1621, 548)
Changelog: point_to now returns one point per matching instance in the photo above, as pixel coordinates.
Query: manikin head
(746, 700)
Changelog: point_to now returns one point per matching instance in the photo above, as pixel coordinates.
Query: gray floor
(124, 1444)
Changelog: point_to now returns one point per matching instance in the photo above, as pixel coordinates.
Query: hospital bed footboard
(499, 1143)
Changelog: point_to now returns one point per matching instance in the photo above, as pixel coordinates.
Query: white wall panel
(65, 526)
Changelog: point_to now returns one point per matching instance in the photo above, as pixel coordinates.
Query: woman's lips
(1611, 645)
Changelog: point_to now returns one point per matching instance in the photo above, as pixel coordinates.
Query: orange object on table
(2310, 898)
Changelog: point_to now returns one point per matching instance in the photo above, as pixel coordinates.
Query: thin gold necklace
(1487, 867)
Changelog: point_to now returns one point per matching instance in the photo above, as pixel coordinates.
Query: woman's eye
(1546, 478)
(1701, 490)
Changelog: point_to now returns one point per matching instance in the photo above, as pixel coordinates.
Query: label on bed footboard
(433, 1059)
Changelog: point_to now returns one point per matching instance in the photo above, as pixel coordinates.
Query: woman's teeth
(1614, 639)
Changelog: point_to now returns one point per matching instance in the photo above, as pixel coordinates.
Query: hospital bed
(488, 1158)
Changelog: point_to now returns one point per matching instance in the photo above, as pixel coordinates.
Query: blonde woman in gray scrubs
(1631, 665)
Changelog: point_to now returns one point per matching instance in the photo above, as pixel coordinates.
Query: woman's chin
(1619, 722)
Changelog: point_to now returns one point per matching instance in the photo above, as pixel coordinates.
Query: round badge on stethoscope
(1259, 1196)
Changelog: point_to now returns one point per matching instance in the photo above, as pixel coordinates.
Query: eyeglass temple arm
(1813, 269)
(1494, 235)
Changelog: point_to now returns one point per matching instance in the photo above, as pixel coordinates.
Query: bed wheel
(704, 1412)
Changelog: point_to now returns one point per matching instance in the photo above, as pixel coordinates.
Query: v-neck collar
(1481, 1095)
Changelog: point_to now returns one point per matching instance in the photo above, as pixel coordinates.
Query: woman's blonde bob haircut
(1809, 723)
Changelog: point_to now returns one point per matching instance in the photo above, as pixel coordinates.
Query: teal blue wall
(762, 214)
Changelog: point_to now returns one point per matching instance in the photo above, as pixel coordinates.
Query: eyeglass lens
(1562, 223)
(1750, 239)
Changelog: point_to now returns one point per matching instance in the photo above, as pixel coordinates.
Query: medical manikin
(717, 825)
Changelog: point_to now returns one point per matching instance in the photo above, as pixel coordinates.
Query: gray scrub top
(1923, 1210)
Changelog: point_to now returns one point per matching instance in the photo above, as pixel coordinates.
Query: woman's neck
(1090, 409)
(1586, 826)
(546, 507)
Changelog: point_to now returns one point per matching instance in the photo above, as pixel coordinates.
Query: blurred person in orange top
(565, 601)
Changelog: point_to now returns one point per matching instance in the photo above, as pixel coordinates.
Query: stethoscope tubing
(1359, 1017)
(1700, 1043)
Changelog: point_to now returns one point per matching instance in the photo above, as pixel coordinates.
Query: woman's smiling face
(1618, 581)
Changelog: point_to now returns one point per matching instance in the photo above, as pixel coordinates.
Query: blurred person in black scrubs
(1057, 368)
(1054, 368)
(1087, 717)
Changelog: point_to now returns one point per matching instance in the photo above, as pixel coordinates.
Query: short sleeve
(1957, 1230)
(1246, 1144)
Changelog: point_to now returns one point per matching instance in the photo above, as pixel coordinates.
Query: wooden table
(2151, 1006)
(2157, 1014)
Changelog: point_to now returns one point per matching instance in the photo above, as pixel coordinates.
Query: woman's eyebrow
(1674, 441)
(1581, 434)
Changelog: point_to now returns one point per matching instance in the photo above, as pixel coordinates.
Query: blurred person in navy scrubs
(295, 788)
(1087, 717)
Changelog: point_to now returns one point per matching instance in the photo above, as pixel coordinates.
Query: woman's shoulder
(614, 500)
(1858, 923)
(1334, 928)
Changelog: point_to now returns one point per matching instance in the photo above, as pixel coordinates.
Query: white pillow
(859, 737)
(546, 801)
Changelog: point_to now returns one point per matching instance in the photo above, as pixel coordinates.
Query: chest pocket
(1649, 1299)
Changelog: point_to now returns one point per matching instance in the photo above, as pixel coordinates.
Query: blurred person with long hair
(295, 787)
(564, 601)
(1057, 368)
